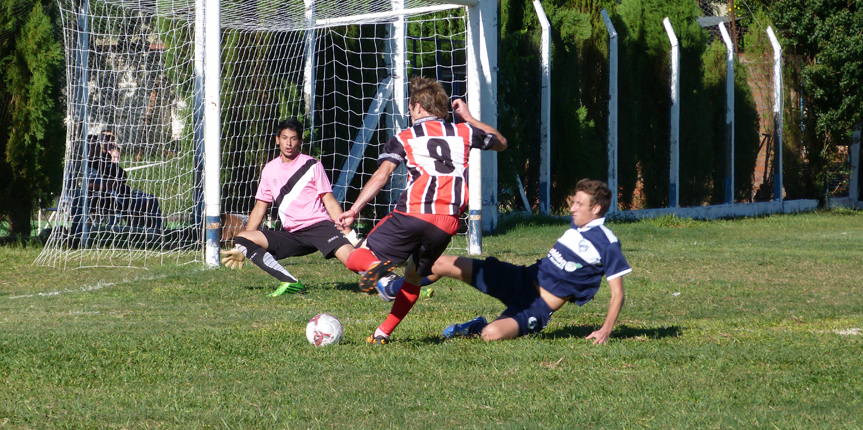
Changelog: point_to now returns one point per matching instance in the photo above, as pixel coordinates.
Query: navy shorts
(398, 237)
(515, 287)
(323, 236)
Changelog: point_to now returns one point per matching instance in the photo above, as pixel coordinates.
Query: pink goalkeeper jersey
(301, 206)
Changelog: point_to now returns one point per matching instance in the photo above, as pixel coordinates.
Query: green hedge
(580, 100)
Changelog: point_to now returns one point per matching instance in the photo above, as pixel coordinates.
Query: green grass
(751, 323)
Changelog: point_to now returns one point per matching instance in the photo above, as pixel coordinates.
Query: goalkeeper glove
(233, 259)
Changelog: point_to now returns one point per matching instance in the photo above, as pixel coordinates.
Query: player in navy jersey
(571, 272)
(435, 152)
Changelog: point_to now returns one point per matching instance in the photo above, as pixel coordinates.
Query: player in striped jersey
(435, 152)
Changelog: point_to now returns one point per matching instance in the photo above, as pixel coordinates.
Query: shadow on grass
(579, 332)
(621, 332)
(347, 286)
(340, 286)
(424, 340)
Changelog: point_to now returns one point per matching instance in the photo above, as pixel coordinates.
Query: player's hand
(460, 110)
(599, 337)
(347, 218)
(232, 259)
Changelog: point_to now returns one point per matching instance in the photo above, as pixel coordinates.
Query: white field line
(88, 288)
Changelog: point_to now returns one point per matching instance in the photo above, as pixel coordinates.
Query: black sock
(263, 259)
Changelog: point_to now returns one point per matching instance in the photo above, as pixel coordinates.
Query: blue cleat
(469, 328)
(388, 286)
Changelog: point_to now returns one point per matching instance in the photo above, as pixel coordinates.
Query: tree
(31, 131)
(826, 35)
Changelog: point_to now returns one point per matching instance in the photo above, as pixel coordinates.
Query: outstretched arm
(459, 108)
(257, 215)
(618, 296)
(370, 190)
(335, 210)
(332, 206)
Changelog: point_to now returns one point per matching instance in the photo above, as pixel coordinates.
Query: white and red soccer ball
(323, 330)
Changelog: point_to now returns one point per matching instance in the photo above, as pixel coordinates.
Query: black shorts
(398, 237)
(323, 236)
(516, 288)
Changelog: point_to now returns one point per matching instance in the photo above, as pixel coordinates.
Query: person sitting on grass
(571, 272)
(297, 186)
(109, 182)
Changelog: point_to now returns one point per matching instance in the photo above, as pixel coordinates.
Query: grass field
(751, 323)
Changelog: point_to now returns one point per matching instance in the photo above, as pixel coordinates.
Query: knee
(491, 332)
(500, 329)
(441, 265)
(251, 239)
(446, 266)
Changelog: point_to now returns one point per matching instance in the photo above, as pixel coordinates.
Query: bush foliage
(579, 77)
(31, 120)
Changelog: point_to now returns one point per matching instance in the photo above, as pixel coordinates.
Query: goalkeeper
(298, 188)
(571, 272)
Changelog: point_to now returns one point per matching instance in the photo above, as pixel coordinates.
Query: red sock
(360, 260)
(405, 300)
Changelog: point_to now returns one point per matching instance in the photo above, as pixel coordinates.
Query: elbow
(502, 145)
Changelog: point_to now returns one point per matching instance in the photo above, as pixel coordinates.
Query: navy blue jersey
(575, 265)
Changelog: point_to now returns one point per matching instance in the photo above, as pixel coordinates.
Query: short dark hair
(290, 124)
(598, 192)
(107, 136)
(101, 144)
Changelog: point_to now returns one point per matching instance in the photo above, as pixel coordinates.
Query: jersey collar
(426, 118)
(590, 225)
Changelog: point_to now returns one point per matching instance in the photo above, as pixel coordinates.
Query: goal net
(134, 172)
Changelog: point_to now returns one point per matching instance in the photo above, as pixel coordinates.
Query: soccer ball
(323, 330)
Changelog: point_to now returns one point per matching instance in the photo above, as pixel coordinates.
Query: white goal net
(133, 183)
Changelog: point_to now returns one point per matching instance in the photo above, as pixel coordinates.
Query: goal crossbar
(383, 17)
(139, 70)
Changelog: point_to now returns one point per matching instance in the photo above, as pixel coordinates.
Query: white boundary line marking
(88, 288)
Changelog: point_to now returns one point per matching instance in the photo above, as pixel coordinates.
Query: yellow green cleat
(289, 288)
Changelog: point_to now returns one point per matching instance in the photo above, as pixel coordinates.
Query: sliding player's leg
(265, 248)
(513, 285)
(388, 286)
(446, 265)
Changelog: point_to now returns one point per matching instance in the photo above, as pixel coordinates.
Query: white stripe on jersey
(611, 237)
(580, 246)
(298, 188)
(617, 275)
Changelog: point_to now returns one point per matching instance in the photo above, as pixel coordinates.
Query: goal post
(194, 134)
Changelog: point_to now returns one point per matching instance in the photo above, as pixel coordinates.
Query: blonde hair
(429, 93)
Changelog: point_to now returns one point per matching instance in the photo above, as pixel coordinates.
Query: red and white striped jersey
(435, 153)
